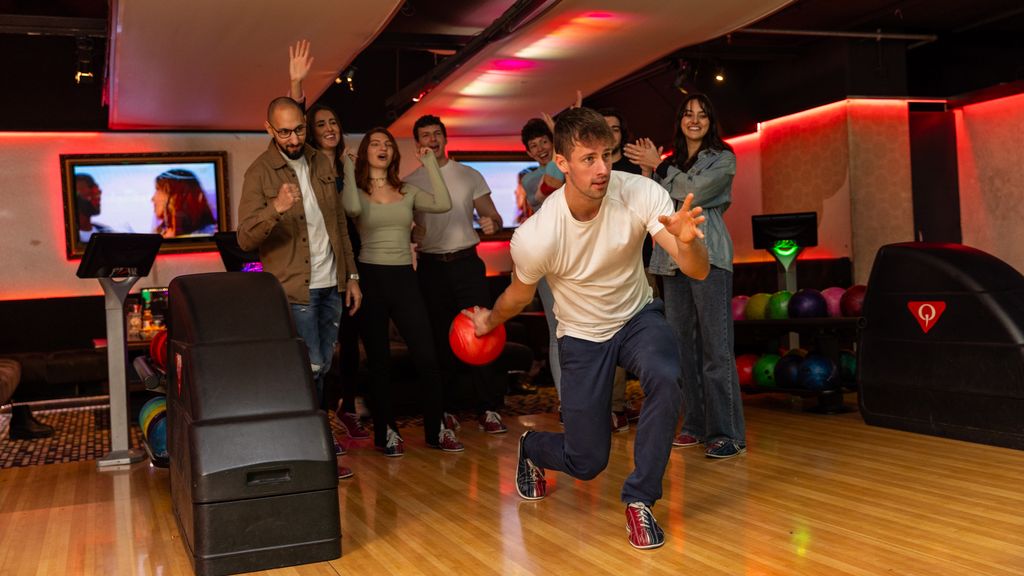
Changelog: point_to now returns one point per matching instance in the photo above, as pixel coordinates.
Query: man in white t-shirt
(586, 241)
(452, 277)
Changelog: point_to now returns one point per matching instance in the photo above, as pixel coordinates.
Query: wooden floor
(822, 495)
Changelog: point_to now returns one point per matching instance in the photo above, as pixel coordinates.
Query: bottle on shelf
(135, 322)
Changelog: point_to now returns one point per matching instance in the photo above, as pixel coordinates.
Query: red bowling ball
(745, 367)
(852, 302)
(471, 349)
(158, 349)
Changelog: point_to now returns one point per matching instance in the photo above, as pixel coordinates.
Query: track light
(684, 76)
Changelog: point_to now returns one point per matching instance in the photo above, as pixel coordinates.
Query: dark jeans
(646, 347)
(700, 312)
(392, 293)
(447, 288)
(317, 325)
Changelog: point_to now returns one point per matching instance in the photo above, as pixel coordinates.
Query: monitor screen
(181, 196)
(501, 171)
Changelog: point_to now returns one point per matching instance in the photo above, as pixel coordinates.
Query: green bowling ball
(778, 305)
(764, 370)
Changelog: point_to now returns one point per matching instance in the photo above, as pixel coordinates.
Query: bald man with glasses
(290, 211)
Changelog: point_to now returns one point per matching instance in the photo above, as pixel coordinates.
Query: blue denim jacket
(710, 181)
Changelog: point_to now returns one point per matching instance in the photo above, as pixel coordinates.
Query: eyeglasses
(287, 132)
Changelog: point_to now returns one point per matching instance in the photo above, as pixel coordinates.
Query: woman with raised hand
(382, 206)
(700, 310)
(326, 135)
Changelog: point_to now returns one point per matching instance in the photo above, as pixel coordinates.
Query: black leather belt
(449, 256)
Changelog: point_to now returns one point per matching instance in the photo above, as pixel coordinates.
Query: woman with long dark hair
(326, 135)
(383, 208)
(700, 310)
(180, 205)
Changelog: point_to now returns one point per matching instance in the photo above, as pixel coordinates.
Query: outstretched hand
(299, 61)
(684, 224)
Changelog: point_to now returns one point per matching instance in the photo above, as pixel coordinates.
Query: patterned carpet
(83, 433)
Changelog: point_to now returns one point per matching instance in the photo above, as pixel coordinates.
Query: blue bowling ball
(818, 373)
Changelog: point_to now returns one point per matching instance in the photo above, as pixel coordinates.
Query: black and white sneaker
(530, 482)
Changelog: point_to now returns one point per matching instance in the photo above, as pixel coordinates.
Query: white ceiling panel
(576, 44)
(215, 65)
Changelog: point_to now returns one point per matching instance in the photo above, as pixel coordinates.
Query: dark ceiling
(919, 48)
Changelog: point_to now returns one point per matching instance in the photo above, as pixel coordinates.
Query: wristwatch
(354, 277)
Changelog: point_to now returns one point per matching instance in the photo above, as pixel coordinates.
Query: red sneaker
(491, 423)
(684, 440)
(448, 442)
(344, 472)
(350, 425)
(620, 423)
(644, 532)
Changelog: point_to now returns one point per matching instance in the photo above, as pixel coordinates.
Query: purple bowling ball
(739, 307)
(808, 303)
(832, 297)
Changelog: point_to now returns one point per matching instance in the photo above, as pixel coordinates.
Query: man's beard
(290, 155)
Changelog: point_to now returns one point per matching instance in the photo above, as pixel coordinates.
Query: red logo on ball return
(927, 313)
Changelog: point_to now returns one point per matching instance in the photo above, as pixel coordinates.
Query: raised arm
(437, 199)
(299, 64)
(350, 193)
(681, 238)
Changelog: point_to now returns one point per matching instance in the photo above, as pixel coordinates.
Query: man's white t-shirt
(594, 268)
(450, 231)
(323, 272)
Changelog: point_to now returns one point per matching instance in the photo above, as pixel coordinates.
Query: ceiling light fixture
(83, 60)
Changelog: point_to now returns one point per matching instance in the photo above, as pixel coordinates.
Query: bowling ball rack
(827, 335)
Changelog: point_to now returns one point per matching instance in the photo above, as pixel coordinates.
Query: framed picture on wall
(183, 196)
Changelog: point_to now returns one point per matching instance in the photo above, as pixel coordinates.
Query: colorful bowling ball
(764, 370)
(150, 409)
(471, 349)
(808, 303)
(745, 367)
(832, 297)
(757, 306)
(158, 349)
(786, 370)
(778, 305)
(156, 435)
(739, 307)
(852, 302)
(818, 373)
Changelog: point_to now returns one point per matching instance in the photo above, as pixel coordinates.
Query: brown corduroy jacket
(282, 239)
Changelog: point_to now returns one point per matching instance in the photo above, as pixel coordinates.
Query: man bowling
(586, 241)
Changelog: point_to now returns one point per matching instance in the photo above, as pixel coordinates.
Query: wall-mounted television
(183, 196)
(502, 171)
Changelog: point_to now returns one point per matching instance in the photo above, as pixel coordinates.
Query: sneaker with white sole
(724, 448)
(530, 482)
(451, 422)
(684, 440)
(394, 445)
(351, 425)
(491, 423)
(448, 442)
(344, 472)
(644, 532)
